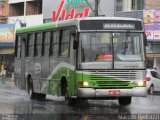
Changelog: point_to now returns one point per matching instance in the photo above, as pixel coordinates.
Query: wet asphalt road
(16, 105)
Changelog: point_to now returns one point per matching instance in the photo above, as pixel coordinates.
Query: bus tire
(124, 100)
(69, 101)
(41, 96)
(30, 89)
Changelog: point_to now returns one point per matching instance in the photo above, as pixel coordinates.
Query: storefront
(7, 47)
(152, 28)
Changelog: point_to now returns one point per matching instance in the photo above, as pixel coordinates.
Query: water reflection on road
(16, 102)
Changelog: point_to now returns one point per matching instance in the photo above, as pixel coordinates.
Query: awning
(6, 51)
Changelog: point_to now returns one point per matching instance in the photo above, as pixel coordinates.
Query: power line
(90, 7)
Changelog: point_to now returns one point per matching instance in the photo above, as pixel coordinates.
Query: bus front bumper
(102, 93)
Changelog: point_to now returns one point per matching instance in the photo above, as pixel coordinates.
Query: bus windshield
(103, 47)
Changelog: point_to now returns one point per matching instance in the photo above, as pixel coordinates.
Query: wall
(149, 4)
(30, 20)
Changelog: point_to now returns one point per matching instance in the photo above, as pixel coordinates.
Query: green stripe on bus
(37, 28)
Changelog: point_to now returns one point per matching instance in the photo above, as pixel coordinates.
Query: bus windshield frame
(111, 48)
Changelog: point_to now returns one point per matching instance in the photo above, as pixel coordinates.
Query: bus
(83, 58)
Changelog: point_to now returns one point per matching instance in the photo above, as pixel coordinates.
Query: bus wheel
(124, 100)
(30, 89)
(69, 100)
(41, 96)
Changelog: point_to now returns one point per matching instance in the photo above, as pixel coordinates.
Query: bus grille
(115, 78)
(113, 83)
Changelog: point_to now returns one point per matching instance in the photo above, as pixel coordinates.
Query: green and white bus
(83, 58)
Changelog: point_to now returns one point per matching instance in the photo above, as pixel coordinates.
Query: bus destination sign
(110, 25)
(118, 26)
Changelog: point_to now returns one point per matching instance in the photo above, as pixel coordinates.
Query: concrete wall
(30, 20)
(48, 7)
(149, 4)
(106, 8)
(132, 14)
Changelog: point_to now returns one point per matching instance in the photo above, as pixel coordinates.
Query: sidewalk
(6, 80)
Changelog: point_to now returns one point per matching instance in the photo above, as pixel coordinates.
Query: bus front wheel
(69, 100)
(124, 100)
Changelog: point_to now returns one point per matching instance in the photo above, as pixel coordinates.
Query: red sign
(114, 92)
(61, 14)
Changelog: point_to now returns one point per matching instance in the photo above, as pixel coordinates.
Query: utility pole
(96, 7)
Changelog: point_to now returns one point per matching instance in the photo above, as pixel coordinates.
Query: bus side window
(18, 46)
(64, 43)
(30, 45)
(38, 44)
(46, 43)
(54, 47)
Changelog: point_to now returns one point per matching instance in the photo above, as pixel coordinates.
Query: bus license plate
(114, 92)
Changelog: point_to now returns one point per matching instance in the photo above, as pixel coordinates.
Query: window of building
(46, 43)
(30, 45)
(133, 5)
(34, 7)
(55, 43)
(118, 8)
(38, 44)
(18, 47)
(64, 43)
(119, 0)
(140, 4)
(16, 9)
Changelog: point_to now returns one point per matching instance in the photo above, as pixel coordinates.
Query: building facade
(15, 14)
(105, 7)
(25, 11)
(147, 10)
(128, 5)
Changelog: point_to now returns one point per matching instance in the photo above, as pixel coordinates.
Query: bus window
(54, 44)
(38, 44)
(18, 47)
(64, 44)
(46, 43)
(30, 45)
(96, 47)
(128, 46)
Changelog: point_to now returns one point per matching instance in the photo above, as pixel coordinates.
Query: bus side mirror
(75, 42)
(73, 32)
(145, 39)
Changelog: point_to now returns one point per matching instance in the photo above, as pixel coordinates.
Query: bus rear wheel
(31, 92)
(124, 100)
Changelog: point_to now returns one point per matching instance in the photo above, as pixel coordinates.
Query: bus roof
(65, 23)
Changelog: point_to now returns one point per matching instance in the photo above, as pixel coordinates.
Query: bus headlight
(85, 84)
(142, 83)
